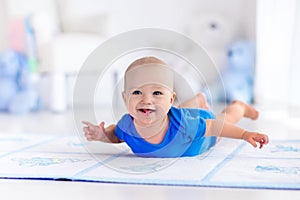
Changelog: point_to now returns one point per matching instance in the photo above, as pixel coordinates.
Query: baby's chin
(146, 120)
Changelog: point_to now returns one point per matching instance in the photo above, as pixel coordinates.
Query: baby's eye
(136, 92)
(157, 93)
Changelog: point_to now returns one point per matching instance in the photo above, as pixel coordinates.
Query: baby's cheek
(166, 107)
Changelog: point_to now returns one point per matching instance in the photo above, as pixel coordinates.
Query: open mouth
(146, 111)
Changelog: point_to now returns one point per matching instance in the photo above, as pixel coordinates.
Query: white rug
(232, 163)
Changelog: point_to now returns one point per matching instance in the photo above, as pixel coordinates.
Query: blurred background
(254, 43)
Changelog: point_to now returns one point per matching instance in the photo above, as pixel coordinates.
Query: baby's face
(149, 103)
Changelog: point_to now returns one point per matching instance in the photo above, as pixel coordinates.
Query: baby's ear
(124, 96)
(173, 96)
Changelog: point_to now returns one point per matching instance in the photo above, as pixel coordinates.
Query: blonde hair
(156, 70)
(145, 60)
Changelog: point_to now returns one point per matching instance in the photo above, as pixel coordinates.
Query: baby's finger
(263, 141)
(87, 123)
(86, 130)
(266, 140)
(253, 143)
(92, 128)
(88, 137)
(101, 124)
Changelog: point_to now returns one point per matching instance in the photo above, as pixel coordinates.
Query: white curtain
(278, 49)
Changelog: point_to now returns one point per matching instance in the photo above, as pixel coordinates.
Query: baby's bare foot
(202, 101)
(250, 111)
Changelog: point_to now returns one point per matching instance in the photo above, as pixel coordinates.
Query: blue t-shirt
(184, 137)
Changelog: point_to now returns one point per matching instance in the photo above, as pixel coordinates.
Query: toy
(238, 75)
(17, 94)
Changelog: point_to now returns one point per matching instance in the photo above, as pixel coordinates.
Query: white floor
(277, 124)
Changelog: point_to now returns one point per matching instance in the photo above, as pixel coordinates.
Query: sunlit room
(153, 99)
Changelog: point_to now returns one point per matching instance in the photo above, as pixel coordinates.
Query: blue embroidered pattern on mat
(232, 163)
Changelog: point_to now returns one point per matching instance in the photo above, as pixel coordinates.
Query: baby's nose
(147, 99)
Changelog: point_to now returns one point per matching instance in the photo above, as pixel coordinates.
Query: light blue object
(238, 75)
(31, 45)
(277, 169)
(7, 92)
(29, 99)
(17, 94)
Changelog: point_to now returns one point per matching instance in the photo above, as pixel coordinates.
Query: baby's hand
(94, 132)
(254, 137)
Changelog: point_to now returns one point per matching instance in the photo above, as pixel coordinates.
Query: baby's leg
(199, 101)
(237, 110)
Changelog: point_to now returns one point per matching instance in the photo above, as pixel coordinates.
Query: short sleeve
(119, 133)
(122, 126)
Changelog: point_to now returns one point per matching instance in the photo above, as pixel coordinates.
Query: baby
(153, 127)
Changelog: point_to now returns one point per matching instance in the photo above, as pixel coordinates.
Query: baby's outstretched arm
(225, 129)
(99, 133)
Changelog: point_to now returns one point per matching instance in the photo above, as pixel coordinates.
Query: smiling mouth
(146, 111)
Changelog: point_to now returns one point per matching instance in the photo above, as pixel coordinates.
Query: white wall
(294, 83)
(275, 29)
(177, 15)
(3, 32)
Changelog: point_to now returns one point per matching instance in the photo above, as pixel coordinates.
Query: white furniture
(64, 35)
(63, 47)
(64, 38)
